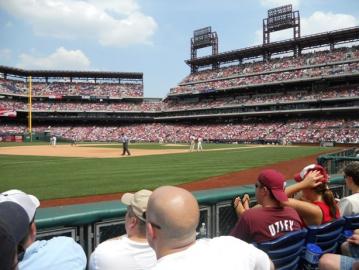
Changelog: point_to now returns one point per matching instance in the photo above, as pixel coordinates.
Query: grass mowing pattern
(56, 177)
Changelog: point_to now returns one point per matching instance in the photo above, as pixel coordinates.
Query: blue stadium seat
(351, 222)
(286, 251)
(326, 236)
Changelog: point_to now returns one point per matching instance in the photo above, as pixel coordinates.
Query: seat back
(351, 222)
(285, 251)
(326, 236)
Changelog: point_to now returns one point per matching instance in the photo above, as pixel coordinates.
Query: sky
(148, 36)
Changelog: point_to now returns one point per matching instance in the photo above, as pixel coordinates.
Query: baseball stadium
(280, 105)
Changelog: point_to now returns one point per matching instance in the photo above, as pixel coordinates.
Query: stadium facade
(300, 90)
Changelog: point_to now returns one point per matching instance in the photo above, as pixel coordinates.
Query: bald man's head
(176, 211)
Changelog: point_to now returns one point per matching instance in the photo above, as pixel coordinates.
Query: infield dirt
(80, 151)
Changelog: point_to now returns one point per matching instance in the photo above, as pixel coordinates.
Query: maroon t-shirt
(266, 223)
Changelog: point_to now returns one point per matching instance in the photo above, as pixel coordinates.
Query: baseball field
(66, 171)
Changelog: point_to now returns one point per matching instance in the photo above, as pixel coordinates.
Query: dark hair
(7, 249)
(352, 170)
(23, 241)
(328, 198)
(141, 224)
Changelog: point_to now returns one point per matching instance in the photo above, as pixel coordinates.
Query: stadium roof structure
(312, 41)
(70, 74)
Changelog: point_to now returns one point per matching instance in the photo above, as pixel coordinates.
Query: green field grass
(155, 146)
(58, 177)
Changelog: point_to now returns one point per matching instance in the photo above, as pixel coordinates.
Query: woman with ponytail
(317, 204)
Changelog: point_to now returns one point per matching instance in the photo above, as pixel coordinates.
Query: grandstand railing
(93, 223)
(336, 162)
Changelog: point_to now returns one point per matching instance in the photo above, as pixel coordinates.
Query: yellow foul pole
(30, 108)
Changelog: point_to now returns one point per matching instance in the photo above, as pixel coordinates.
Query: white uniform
(349, 205)
(199, 144)
(223, 252)
(122, 253)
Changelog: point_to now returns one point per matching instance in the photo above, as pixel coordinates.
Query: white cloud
(116, 23)
(278, 3)
(61, 59)
(321, 22)
(318, 22)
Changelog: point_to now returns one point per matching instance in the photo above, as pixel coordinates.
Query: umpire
(125, 145)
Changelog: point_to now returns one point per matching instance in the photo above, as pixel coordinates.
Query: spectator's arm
(309, 212)
(310, 181)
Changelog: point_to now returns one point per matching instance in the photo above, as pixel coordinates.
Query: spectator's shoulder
(67, 243)
(252, 212)
(110, 244)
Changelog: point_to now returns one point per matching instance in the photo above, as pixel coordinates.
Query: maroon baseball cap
(274, 181)
(312, 167)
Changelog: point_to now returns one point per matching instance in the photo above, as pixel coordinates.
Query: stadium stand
(301, 90)
(286, 251)
(282, 100)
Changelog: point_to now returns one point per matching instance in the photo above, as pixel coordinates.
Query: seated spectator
(14, 226)
(346, 261)
(350, 205)
(317, 204)
(172, 218)
(129, 251)
(57, 253)
(270, 220)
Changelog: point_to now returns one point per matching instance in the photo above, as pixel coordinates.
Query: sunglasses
(153, 224)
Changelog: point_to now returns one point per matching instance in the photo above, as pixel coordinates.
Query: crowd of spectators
(269, 77)
(174, 105)
(161, 227)
(292, 131)
(276, 64)
(72, 89)
(81, 106)
(180, 105)
(309, 65)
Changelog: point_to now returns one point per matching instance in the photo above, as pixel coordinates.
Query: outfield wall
(91, 224)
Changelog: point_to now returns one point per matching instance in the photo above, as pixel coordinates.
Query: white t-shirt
(122, 253)
(349, 205)
(225, 252)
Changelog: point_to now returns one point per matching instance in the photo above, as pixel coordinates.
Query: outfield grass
(155, 146)
(57, 177)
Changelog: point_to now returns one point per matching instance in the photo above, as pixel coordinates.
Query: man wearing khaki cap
(130, 251)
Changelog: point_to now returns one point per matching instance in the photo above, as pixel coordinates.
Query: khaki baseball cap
(138, 201)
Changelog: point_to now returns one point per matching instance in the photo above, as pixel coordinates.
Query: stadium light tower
(281, 18)
(202, 38)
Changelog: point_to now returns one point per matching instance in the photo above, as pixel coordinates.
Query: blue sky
(149, 36)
